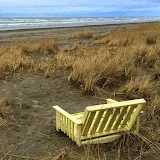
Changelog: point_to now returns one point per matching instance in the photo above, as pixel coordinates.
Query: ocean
(32, 23)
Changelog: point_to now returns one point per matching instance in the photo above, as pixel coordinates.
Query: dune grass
(24, 56)
(82, 34)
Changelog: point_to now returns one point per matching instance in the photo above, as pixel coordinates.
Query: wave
(29, 23)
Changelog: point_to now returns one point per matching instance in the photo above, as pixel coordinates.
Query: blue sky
(79, 8)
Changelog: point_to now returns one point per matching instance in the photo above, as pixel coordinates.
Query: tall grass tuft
(85, 34)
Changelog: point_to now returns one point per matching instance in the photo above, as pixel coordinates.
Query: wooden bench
(100, 123)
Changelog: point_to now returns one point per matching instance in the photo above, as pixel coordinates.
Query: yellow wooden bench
(100, 123)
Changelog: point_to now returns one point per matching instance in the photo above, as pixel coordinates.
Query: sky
(79, 8)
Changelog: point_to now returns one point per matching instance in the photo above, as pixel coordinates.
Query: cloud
(45, 3)
(79, 7)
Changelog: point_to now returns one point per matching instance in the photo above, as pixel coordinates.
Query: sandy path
(34, 129)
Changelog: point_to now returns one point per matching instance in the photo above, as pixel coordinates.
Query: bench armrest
(66, 114)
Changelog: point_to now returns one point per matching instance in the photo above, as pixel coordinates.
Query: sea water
(33, 23)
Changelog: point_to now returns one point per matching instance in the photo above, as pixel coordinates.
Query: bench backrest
(100, 120)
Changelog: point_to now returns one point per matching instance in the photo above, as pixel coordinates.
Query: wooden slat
(66, 125)
(135, 116)
(60, 121)
(105, 119)
(119, 119)
(72, 130)
(128, 115)
(112, 119)
(105, 139)
(95, 135)
(88, 123)
(115, 105)
(69, 128)
(63, 123)
(57, 121)
(96, 121)
(78, 134)
(66, 128)
(85, 116)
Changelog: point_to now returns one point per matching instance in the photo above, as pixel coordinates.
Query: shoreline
(83, 26)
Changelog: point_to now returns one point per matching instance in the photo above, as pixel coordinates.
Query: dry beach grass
(124, 64)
